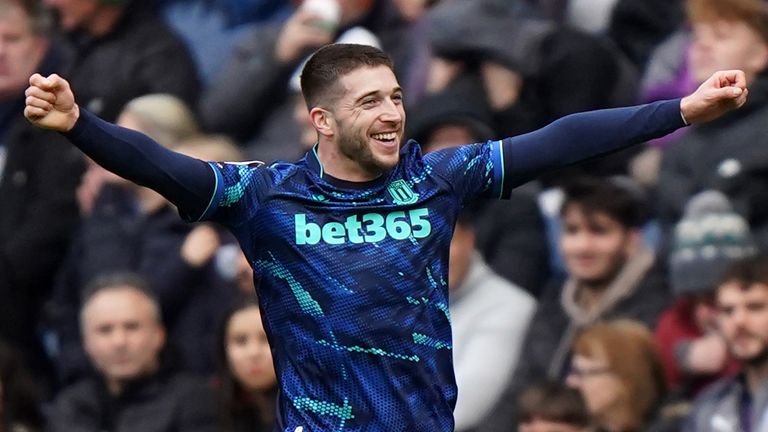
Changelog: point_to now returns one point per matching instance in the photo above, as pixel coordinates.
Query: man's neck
(756, 376)
(590, 294)
(337, 165)
(115, 387)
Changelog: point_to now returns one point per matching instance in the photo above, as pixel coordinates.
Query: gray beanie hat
(708, 238)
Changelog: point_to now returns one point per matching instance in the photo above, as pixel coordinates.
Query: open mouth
(388, 138)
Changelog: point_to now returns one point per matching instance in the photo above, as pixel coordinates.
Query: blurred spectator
(536, 74)
(19, 396)
(509, 233)
(635, 27)
(162, 116)
(489, 317)
(552, 407)
(740, 403)
(212, 27)
(726, 154)
(251, 99)
(38, 175)
(132, 228)
(248, 384)
(707, 240)
(618, 370)
(134, 388)
(638, 26)
(122, 49)
(611, 274)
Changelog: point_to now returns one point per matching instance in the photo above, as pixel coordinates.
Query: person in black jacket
(133, 388)
(611, 274)
(19, 396)
(121, 49)
(38, 176)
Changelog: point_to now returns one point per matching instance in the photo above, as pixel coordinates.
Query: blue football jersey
(352, 282)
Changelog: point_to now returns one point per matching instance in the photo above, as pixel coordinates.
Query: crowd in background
(625, 294)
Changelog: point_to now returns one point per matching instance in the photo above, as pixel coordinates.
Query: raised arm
(187, 182)
(582, 136)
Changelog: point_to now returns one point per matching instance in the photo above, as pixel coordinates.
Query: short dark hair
(554, 402)
(321, 74)
(107, 281)
(747, 272)
(616, 197)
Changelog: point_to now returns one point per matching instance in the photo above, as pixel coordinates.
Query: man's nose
(391, 111)
(119, 337)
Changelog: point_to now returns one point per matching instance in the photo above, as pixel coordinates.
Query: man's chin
(752, 357)
(385, 163)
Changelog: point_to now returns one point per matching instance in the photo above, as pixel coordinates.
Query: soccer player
(350, 245)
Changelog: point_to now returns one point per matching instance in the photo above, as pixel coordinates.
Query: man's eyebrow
(376, 92)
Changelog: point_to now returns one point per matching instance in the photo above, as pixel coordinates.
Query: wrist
(685, 111)
(74, 116)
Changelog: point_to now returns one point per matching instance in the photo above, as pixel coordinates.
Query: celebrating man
(350, 245)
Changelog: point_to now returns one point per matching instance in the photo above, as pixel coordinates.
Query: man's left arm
(582, 136)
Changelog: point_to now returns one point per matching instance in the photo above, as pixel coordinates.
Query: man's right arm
(187, 182)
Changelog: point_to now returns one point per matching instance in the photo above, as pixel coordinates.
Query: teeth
(385, 136)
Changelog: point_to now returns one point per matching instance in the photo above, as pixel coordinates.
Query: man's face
(21, 51)
(743, 320)
(73, 14)
(594, 246)
(720, 45)
(122, 334)
(369, 118)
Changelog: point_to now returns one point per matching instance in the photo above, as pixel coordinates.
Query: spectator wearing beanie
(709, 238)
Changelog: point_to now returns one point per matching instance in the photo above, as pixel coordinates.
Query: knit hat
(708, 238)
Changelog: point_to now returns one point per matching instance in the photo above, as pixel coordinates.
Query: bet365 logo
(367, 228)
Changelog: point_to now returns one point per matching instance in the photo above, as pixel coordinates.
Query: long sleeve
(185, 181)
(582, 136)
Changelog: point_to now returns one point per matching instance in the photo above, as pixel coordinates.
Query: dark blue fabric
(187, 182)
(353, 281)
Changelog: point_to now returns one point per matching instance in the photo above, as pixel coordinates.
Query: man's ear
(322, 120)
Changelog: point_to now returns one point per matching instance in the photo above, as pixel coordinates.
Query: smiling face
(594, 246)
(363, 128)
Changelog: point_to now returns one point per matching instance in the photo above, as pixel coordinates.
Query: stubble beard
(756, 360)
(355, 147)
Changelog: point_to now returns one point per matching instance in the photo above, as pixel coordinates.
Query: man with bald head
(133, 388)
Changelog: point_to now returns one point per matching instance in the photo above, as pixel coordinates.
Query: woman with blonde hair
(618, 370)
